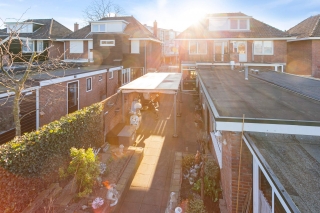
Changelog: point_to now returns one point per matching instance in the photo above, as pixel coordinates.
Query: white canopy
(162, 82)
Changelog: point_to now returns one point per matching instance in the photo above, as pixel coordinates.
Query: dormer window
(98, 27)
(109, 26)
(231, 24)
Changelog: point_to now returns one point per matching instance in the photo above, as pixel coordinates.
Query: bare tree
(99, 9)
(16, 81)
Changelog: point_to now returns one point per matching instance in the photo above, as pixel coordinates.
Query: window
(218, 24)
(89, 84)
(243, 24)
(233, 24)
(27, 46)
(125, 76)
(107, 43)
(110, 74)
(135, 47)
(76, 46)
(98, 28)
(100, 77)
(197, 47)
(239, 24)
(39, 46)
(263, 48)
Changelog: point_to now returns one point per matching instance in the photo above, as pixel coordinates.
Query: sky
(169, 14)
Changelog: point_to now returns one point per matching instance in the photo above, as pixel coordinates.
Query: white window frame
(125, 76)
(197, 52)
(38, 45)
(135, 46)
(263, 51)
(99, 28)
(26, 47)
(111, 74)
(76, 46)
(107, 43)
(238, 25)
(88, 90)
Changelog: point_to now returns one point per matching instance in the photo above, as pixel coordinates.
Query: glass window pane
(95, 28)
(242, 24)
(278, 208)
(202, 47)
(258, 47)
(267, 47)
(219, 24)
(193, 47)
(233, 24)
(102, 28)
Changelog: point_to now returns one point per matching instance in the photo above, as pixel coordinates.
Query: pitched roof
(258, 29)
(134, 29)
(309, 27)
(48, 29)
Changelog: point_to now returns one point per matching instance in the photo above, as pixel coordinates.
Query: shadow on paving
(149, 189)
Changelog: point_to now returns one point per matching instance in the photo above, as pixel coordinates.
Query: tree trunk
(16, 110)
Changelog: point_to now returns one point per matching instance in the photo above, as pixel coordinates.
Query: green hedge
(30, 154)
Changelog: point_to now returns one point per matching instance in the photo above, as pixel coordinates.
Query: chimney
(155, 29)
(76, 27)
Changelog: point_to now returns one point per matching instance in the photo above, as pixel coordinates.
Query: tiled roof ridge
(315, 27)
(302, 22)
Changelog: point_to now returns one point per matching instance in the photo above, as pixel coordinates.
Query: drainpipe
(145, 56)
(37, 109)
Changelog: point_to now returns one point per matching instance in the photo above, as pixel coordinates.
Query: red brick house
(230, 39)
(115, 41)
(36, 35)
(266, 147)
(304, 51)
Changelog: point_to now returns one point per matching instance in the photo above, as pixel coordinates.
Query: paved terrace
(234, 96)
(150, 188)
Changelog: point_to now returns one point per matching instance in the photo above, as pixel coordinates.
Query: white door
(242, 51)
(90, 51)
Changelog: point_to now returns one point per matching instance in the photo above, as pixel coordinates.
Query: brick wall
(57, 50)
(279, 53)
(113, 105)
(299, 58)
(53, 98)
(52, 102)
(69, 55)
(112, 83)
(316, 58)
(229, 171)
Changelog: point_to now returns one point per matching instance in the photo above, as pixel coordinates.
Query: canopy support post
(122, 100)
(175, 117)
(179, 102)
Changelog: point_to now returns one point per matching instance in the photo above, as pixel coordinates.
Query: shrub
(196, 205)
(188, 161)
(86, 168)
(212, 169)
(30, 162)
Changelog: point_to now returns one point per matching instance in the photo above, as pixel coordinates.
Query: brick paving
(150, 188)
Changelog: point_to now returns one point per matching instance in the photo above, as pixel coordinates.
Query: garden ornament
(113, 194)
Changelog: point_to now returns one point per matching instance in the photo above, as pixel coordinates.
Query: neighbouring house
(170, 47)
(115, 41)
(304, 51)
(56, 93)
(267, 145)
(230, 39)
(35, 35)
